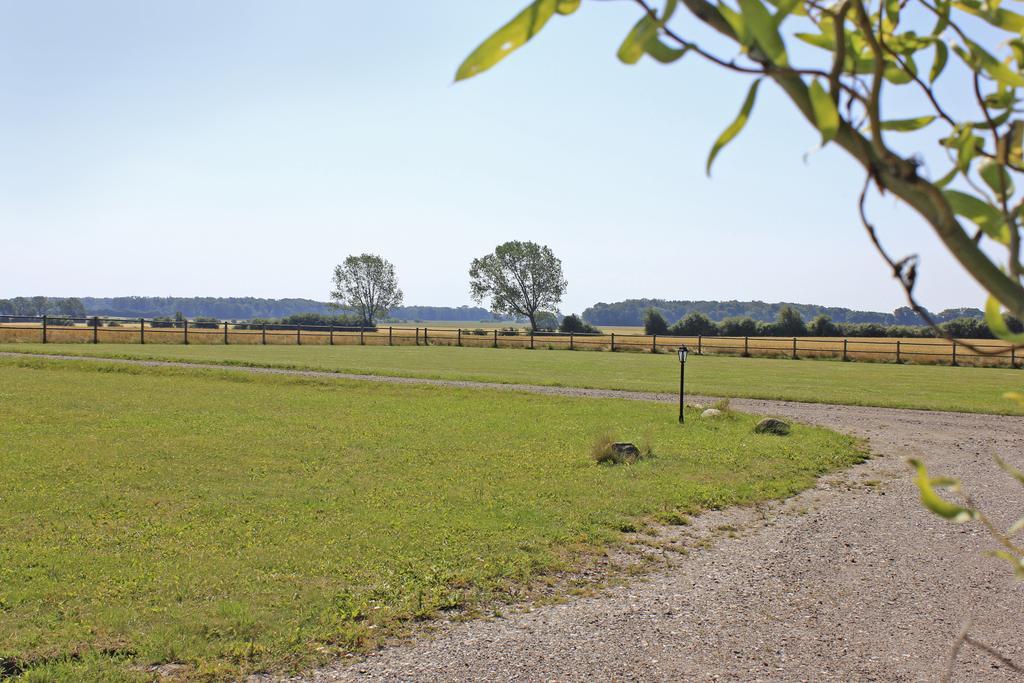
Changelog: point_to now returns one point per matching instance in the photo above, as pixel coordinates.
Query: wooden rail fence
(105, 330)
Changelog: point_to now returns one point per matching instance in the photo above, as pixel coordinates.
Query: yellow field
(993, 353)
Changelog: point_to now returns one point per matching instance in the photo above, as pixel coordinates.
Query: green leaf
(1000, 18)
(906, 125)
(736, 126)
(996, 177)
(825, 113)
(892, 10)
(662, 52)
(978, 58)
(635, 44)
(507, 39)
(822, 40)
(997, 323)
(934, 502)
(939, 63)
(1017, 562)
(567, 7)
(943, 8)
(644, 38)
(946, 179)
(737, 24)
(985, 216)
(762, 27)
(1010, 469)
(1015, 143)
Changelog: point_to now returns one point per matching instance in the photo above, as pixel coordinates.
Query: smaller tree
(695, 323)
(822, 326)
(520, 278)
(573, 324)
(367, 284)
(654, 322)
(736, 326)
(790, 323)
(547, 321)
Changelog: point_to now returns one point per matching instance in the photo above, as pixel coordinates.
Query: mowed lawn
(928, 387)
(233, 523)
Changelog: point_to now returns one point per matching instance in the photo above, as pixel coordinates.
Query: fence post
(746, 346)
(362, 342)
(298, 335)
(700, 345)
(954, 353)
(495, 339)
(1013, 356)
(417, 336)
(95, 329)
(142, 330)
(426, 340)
(330, 335)
(654, 343)
(389, 335)
(44, 329)
(460, 337)
(794, 348)
(898, 351)
(264, 334)
(225, 332)
(571, 341)
(613, 342)
(531, 339)
(186, 331)
(845, 357)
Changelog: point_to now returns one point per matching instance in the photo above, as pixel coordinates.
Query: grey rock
(771, 425)
(626, 450)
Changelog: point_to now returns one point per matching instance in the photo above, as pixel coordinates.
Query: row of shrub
(308, 320)
(789, 323)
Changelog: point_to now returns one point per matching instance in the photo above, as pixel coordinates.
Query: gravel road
(850, 581)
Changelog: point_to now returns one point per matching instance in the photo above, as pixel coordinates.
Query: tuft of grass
(722, 404)
(219, 523)
(602, 452)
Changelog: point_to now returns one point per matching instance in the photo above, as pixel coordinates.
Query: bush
(967, 328)
(790, 323)
(206, 323)
(573, 324)
(737, 327)
(478, 331)
(822, 326)
(546, 321)
(654, 322)
(508, 332)
(695, 323)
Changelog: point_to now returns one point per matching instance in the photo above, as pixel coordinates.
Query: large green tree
(367, 284)
(519, 278)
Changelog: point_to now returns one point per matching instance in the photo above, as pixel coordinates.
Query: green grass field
(234, 523)
(927, 387)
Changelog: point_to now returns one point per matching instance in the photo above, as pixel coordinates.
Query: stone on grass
(771, 425)
(626, 450)
(711, 412)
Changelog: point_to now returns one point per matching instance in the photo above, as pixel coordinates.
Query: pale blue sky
(233, 148)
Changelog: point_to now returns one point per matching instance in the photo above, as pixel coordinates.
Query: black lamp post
(683, 352)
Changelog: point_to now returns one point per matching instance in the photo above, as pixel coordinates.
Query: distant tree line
(36, 306)
(631, 312)
(219, 308)
(789, 323)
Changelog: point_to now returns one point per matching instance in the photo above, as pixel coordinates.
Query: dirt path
(851, 580)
